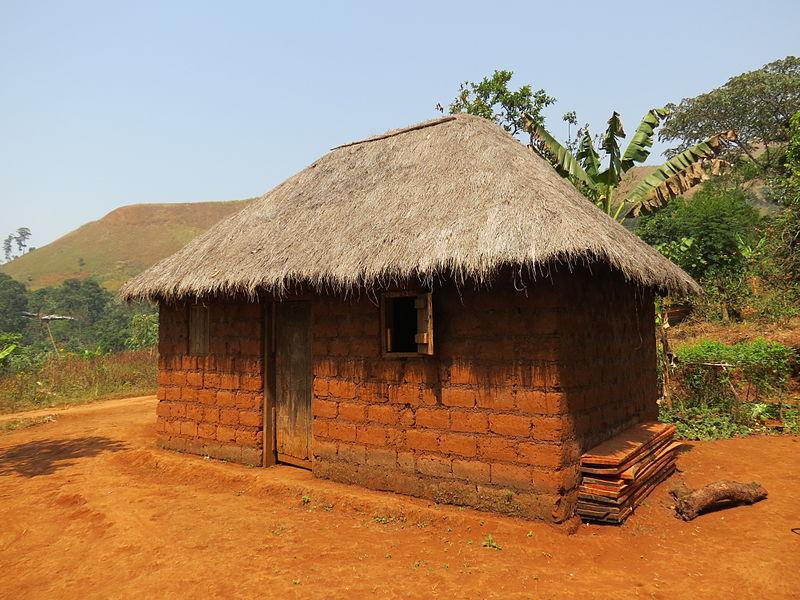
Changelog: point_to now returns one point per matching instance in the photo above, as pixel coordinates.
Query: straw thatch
(454, 195)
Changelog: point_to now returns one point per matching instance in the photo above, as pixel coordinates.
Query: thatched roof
(454, 195)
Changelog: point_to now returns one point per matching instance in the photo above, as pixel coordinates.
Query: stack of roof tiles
(619, 473)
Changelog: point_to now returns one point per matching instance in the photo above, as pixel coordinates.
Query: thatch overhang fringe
(456, 195)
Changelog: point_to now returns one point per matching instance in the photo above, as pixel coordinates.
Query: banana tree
(584, 168)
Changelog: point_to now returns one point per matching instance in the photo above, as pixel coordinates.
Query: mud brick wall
(499, 416)
(608, 371)
(212, 405)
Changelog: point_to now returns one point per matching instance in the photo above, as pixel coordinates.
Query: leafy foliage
(143, 331)
(490, 98)
(757, 105)
(583, 168)
(721, 387)
(43, 362)
(100, 321)
(704, 233)
(703, 423)
(8, 344)
(13, 301)
(784, 189)
(760, 367)
(679, 174)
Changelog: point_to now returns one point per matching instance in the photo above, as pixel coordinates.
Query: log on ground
(690, 503)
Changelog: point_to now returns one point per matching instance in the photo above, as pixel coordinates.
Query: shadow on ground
(44, 457)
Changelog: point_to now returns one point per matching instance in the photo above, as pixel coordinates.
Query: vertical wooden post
(268, 439)
(666, 351)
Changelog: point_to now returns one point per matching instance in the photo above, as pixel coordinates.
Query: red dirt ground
(91, 509)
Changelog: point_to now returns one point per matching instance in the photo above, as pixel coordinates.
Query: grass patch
(721, 391)
(25, 423)
(76, 379)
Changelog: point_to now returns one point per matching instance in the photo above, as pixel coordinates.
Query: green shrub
(758, 368)
(703, 423)
(721, 390)
(701, 383)
(764, 364)
(706, 232)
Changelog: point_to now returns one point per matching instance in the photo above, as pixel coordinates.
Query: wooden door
(293, 373)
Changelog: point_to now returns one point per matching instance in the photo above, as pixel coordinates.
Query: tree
(143, 329)
(705, 233)
(584, 168)
(22, 237)
(490, 98)
(13, 301)
(784, 189)
(757, 105)
(7, 247)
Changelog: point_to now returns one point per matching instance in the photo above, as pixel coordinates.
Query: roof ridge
(392, 133)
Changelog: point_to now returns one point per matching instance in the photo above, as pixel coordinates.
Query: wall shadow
(45, 457)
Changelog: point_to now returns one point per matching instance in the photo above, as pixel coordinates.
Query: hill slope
(121, 244)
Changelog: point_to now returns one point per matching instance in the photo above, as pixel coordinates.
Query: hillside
(121, 244)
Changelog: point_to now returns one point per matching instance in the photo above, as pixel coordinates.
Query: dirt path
(91, 509)
(79, 409)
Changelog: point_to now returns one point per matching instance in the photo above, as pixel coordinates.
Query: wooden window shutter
(424, 337)
(198, 330)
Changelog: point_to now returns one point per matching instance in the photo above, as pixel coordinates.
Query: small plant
(529, 534)
(295, 582)
(489, 542)
(305, 499)
(703, 423)
(383, 520)
(280, 529)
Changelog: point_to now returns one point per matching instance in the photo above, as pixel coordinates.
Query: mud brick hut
(431, 311)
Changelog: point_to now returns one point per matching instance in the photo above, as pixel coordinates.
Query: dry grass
(455, 196)
(75, 380)
(120, 245)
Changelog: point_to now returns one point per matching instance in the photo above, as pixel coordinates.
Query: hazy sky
(110, 103)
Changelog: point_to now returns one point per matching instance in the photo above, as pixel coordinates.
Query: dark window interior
(403, 324)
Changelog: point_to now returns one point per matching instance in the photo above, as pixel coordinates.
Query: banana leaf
(7, 351)
(639, 147)
(611, 176)
(588, 156)
(679, 174)
(556, 154)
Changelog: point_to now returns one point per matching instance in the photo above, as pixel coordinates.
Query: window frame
(423, 302)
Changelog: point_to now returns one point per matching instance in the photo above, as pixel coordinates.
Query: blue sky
(109, 103)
